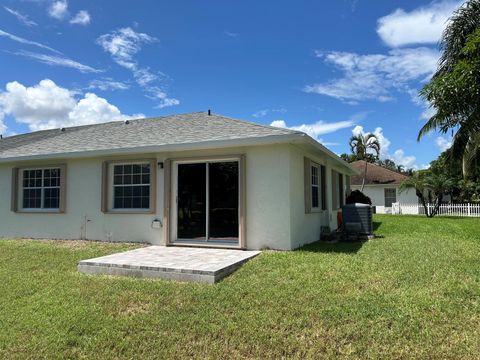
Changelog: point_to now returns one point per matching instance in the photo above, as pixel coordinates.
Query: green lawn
(413, 292)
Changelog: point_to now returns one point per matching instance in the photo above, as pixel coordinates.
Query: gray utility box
(360, 215)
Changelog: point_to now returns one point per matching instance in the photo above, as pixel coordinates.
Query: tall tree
(455, 87)
(361, 145)
(429, 188)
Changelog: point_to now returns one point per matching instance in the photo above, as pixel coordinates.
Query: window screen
(390, 197)
(41, 189)
(131, 186)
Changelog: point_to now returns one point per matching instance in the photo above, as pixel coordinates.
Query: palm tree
(471, 155)
(429, 188)
(453, 90)
(360, 145)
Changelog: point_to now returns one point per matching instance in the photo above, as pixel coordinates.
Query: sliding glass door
(208, 201)
(192, 201)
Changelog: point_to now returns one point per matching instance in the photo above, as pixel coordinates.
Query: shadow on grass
(376, 225)
(339, 247)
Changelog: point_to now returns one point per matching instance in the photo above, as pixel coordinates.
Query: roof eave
(331, 154)
(204, 145)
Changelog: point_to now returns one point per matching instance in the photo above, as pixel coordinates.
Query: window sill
(40, 211)
(316, 211)
(131, 211)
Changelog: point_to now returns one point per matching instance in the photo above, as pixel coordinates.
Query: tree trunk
(425, 206)
(364, 176)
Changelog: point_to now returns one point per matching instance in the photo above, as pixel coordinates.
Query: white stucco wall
(267, 203)
(305, 228)
(275, 207)
(377, 194)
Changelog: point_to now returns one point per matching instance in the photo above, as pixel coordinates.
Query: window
(131, 186)
(40, 189)
(315, 186)
(315, 190)
(390, 197)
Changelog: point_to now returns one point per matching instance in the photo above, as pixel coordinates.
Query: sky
(331, 69)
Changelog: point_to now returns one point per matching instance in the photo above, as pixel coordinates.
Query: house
(196, 179)
(381, 186)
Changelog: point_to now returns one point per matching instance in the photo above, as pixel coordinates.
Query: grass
(414, 292)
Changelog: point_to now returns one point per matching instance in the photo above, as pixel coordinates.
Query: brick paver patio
(173, 263)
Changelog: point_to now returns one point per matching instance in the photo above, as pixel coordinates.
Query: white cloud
(265, 112)
(231, 34)
(81, 18)
(279, 123)
(374, 76)
(423, 25)
(398, 155)
(59, 61)
(443, 143)
(3, 127)
(26, 42)
(21, 17)
(378, 132)
(428, 111)
(58, 9)
(401, 159)
(47, 105)
(123, 45)
(161, 97)
(108, 84)
(316, 129)
(144, 76)
(260, 113)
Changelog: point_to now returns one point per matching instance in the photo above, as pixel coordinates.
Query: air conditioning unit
(358, 218)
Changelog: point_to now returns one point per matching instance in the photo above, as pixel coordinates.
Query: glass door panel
(223, 200)
(192, 202)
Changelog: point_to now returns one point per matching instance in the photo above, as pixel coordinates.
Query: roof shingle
(376, 174)
(167, 130)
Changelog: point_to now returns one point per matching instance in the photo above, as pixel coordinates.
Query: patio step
(170, 263)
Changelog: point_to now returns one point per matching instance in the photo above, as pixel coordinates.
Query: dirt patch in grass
(133, 303)
(78, 244)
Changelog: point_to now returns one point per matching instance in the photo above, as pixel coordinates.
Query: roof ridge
(259, 125)
(383, 167)
(393, 171)
(98, 124)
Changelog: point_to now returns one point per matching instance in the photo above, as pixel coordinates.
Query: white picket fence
(472, 210)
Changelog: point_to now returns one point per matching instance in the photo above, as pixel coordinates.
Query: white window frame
(42, 188)
(318, 169)
(111, 187)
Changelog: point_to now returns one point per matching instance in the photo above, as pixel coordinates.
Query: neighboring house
(381, 186)
(196, 179)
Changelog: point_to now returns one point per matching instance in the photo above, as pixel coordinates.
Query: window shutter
(334, 190)
(307, 176)
(340, 190)
(347, 184)
(323, 179)
(63, 188)
(14, 194)
(104, 204)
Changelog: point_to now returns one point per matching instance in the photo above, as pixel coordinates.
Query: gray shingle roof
(167, 130)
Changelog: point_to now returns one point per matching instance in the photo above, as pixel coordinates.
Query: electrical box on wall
(156, 224)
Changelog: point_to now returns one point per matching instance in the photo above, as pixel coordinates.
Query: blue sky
(328, 68)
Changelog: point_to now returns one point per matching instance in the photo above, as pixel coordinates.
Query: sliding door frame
(170, 201)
